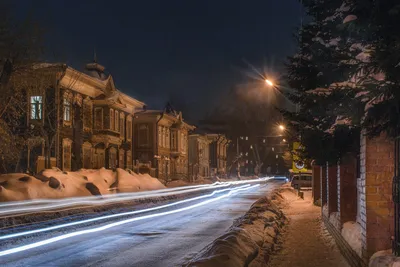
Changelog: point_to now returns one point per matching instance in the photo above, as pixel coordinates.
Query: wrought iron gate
(396, 197)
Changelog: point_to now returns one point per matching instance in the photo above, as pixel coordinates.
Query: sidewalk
(306, 242)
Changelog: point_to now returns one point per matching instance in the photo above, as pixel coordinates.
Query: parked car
(302, 180)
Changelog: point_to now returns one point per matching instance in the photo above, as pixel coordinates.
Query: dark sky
(156, 49)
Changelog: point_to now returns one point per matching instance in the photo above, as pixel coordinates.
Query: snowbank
(251, 239)
(54, 183)
(384, 258)
(351, 232)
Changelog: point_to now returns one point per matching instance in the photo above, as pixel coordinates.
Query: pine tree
(322, 74)
(383, 66)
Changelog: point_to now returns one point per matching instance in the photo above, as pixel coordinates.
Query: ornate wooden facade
(93, 120)
(161, 140)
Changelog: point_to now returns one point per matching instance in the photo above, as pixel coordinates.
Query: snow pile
(251, 239)
(384, 258)
(334, 219)
(351, 232)
(54, 183)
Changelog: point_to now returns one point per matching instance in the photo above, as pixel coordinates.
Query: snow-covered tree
(381, 58)
(323, 73)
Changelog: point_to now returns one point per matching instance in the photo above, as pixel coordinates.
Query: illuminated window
(67, 110)
(36, 107)
(273, 149)
(247, 138)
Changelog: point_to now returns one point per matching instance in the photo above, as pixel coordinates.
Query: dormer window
(36, 107)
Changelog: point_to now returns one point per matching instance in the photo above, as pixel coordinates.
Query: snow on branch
(349, 18)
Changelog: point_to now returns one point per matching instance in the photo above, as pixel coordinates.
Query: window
(36, 107)
(121, 158)
(182, 142)
(122, 126)
(167, 138)
(143, 136)
(116, 128)
(98, 159)
(160, 143)
(66, 154)
(173, 140)
(111, 119)
(112, 158)
(129, 128)
(98, 117)
(67, 110)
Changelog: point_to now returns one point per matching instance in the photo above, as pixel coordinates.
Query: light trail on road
(115, 198)
(111, 225)
(114, 215)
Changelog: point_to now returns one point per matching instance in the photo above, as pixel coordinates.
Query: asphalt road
(167, 240)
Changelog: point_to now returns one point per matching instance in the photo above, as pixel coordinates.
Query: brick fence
(376, 215)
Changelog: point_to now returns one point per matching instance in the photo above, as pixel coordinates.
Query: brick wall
(347, 190)
(375, 194)
(332, 186)
(316, 183)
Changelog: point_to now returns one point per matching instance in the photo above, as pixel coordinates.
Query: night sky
(190, 51)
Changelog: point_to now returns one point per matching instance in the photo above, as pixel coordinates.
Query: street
(167, 240)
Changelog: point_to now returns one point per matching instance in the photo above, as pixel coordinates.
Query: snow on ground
(351, 232)
(54, 183)
(306, 242)
(251, 239)
(384, 258)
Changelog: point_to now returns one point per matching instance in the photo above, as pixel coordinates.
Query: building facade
(77, 119)
(199, 156)
(218, 154)
(161, 141)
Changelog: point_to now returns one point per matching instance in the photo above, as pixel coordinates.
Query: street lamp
(269, 82)
(281, 127)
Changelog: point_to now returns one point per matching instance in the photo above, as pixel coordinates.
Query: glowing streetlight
(284, 140)
(269, 82)
(281, 127)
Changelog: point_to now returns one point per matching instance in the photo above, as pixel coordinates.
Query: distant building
(161, 140)
(87, 121)
(218, 154)
(199, 156)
